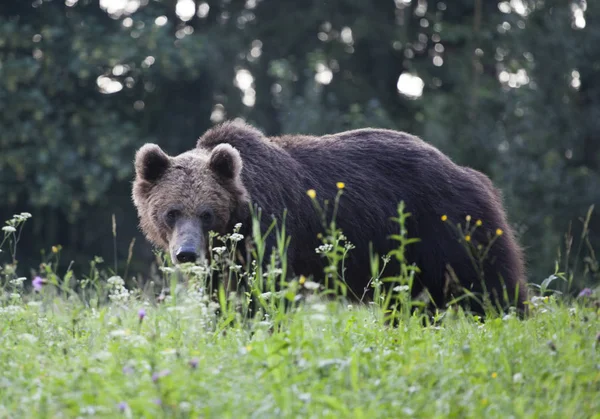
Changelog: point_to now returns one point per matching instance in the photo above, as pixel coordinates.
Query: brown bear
(212, 187)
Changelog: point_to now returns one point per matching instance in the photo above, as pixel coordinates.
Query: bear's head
(180, 199)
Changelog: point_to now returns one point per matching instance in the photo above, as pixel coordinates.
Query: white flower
(219, 250)
(115, 280)
(9, 229)
(236, 237)
(324, 248)
(310, 285)
(18, 281)
(401, 288)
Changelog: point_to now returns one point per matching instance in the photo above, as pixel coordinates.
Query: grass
(61, 359)
(90, 346)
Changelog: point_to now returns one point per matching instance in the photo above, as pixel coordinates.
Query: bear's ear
(225, 161)
(151, 162)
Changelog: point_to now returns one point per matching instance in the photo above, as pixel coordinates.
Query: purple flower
(141, 314)
(157, 402)
(127, 369)
(160, 374)
(37, 283)
(586, 292)
(122, 406)
(194, 363)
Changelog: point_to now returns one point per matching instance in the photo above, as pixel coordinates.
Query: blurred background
(507, 87)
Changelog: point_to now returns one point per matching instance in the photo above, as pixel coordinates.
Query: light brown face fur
(180, 199)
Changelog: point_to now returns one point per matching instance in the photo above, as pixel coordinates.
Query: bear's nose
(186, 254)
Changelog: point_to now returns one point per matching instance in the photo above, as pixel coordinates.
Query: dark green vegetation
(509, 88)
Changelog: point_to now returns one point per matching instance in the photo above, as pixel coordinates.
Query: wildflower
(18, 281)
(478, 223)
(219, 250)
(311, 285)
(37, 283)
(499, 232)
(340, 185)
(127, 370)
(160, 374)
(311, 193)
(302, 279)
(9, 229)
(319, 236)
(193, 363)
(122, 406)
(54, 249)
(468, 218)
(324, 248)
(444, 217)
(236, 237)
(141, 314)
(494, 374)
(586, 292)
(157, 402)
(468, 238)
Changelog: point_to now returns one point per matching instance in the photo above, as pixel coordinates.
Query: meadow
(96, 346)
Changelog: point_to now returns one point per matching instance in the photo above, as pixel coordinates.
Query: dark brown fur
(379, 168)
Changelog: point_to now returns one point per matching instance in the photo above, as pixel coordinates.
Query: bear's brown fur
(234, 164)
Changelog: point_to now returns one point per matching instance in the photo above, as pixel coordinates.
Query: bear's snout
(186, 254)
(187, 241)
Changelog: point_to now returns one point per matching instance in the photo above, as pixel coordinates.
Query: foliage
(92, 346)
(60, 357)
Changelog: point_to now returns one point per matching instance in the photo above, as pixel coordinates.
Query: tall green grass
(179, 344)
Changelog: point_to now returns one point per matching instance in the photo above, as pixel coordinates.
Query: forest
(506, 87)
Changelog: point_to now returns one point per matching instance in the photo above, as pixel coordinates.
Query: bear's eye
(206, 216)
(172, 216)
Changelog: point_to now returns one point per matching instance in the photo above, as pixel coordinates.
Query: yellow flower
(54, 249)
(478, 223)
(340, 185)
(319, 236)
(494, 375)
(248, 348)
(484, 402)
(499, 232)
(468, 218)
(302, 279)
(444, 217)
(468, 238)
(312, 193)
